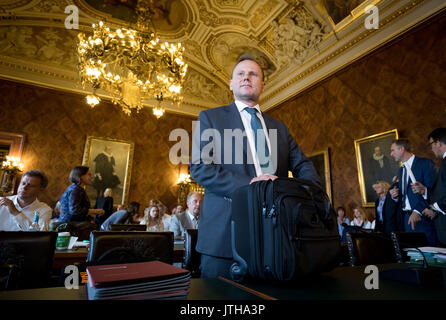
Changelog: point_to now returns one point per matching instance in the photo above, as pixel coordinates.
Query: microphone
(423, 276)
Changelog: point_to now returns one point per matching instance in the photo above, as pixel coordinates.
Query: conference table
(343, 283)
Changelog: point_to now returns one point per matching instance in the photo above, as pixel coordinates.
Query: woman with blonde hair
(152, 219)
(386, 218)
(359, 219)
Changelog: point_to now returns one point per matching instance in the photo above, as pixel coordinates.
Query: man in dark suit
(247, 154)
(437, 209)
(386, 213)
(412, 204)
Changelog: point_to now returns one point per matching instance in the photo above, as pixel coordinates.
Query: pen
(110, 268)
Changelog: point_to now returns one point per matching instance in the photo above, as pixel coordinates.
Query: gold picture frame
(110, 161)
(321, 161)
(11, 144)
(374, 163)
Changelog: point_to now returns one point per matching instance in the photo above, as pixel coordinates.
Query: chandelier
(131, 65)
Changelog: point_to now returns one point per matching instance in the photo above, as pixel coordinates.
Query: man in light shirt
(413, 204)
(188, 219)
(437, 209)
(233, 146)
(17, 212)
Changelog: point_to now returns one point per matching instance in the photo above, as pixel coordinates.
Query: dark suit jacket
(391, 219)
(221, 179)
(424, 171)
(439, 196)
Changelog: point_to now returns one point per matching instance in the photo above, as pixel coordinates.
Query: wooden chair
(111, 247)
(191, 256)
(26, 258)
(128, 227)
(407, 240)
(369, 248)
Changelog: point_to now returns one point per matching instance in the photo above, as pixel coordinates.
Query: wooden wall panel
(401, 85)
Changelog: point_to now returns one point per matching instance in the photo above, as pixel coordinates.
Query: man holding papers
(412, 204)
(437, 209)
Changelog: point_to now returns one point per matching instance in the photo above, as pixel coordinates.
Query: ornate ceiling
(299, 42)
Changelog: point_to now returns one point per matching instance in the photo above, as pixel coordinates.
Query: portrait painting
(375, 163)
(110, 162)
(321, 161)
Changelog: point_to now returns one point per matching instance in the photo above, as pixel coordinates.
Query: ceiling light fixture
(131, 65)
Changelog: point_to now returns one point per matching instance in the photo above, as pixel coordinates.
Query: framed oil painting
(110, 161)
(321, 161)
(374, 163)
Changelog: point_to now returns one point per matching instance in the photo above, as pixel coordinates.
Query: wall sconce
(10, 167)
(183, 183)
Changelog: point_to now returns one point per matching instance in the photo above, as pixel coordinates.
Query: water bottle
(35, 225)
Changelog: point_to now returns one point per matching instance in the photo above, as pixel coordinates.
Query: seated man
(17, 212)
(188, 219)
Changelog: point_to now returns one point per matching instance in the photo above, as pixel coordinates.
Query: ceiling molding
(35, 48)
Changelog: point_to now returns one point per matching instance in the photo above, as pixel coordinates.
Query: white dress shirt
(246, 119)
(406, 205)
(435, 205)
(23, 220)
(194, 220)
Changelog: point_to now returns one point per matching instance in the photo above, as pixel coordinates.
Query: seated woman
(74, 202)
(359, 219)
(152, 219)
(342, 219)
(165, 216)
(104, 202)
(130, 215)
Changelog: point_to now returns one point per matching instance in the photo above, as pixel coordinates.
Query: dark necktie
(260, 141)
(404, 185)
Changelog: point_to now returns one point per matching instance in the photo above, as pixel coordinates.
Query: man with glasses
(437, 210)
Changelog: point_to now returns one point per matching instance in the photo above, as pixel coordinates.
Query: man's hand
(431, 214)
(8, 203)
(414, 219)
(263, 177)
(394, 192)
(417, 187)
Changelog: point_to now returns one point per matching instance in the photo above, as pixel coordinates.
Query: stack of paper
(433, 255)
(134, 281)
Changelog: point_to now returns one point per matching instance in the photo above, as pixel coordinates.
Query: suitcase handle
(239, 268)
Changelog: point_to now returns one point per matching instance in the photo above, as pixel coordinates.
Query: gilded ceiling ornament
(295, 36)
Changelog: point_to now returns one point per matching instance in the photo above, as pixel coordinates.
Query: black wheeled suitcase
(283, 230)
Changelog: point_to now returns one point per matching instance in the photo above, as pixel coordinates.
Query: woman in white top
(359, 219)
(152, 219)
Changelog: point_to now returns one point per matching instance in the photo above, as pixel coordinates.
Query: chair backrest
(369, 248)
(128, 227)
(29, 255)
(407, 240)
(111, 247)
(80, 229)
(191, 256)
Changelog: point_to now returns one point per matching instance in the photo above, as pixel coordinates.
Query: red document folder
(142, 280)
(128, 273)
